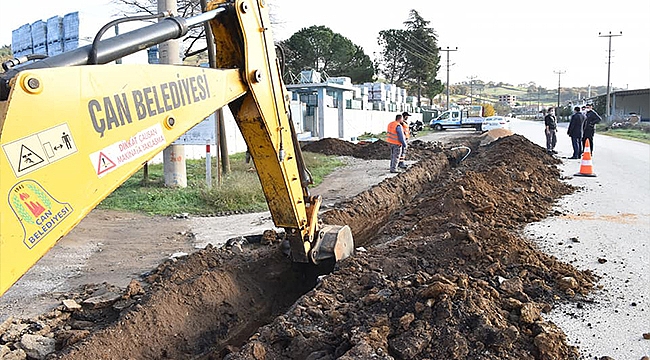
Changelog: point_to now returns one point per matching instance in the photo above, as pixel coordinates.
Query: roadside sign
(201, 134)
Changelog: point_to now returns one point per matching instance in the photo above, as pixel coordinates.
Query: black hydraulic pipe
(92, 55)
(116, 47)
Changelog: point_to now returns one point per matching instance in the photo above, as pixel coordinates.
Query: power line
(409, 47)
(415, 42)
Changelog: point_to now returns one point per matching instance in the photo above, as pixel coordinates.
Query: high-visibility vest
(391, 133)
(406, 130)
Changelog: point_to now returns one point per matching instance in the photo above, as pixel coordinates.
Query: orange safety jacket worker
(393, 136)
(405, 128)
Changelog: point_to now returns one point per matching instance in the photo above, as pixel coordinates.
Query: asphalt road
(607, 220)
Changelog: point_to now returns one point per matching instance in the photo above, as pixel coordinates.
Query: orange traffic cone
(586, 167)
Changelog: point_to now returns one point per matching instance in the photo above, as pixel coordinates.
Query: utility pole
(539, 101)
(220, 131)
(609, 61)
(471, 89)
(173, 155)
(447, 50)
(559, 75)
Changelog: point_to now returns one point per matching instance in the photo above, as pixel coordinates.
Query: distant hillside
(525, 94)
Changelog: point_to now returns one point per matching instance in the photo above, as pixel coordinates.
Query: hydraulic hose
(19, 60)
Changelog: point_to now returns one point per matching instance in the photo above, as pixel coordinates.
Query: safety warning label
(125, 151)
(41, 149)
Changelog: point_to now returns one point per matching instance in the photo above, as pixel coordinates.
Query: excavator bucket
(333, 241)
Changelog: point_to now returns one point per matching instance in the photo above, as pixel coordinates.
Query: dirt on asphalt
(440, 272)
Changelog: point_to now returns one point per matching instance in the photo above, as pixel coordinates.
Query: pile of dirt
(442, 274)
(330, 146)
(447, 278)
(369, 150)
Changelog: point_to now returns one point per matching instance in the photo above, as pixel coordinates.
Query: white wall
(235, 140)
(355, 123)
(331, 123)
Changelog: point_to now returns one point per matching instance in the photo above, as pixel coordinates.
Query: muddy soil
(439, 273)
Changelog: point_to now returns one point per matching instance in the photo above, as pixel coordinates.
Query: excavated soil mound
(442, 274)
(330, 146)
(447, 278)
(371, 150)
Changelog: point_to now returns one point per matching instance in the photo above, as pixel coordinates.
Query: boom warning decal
(41, 149)
(117, 154)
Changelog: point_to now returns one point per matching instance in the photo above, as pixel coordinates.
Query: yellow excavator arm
(70, 134)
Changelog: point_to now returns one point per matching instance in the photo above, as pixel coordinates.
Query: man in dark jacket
(575, 132)
(550, 123)
(589, 126)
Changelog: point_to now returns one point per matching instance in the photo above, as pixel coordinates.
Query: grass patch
(640, 132)
(369, 136)
(320, 165)
(240, 189)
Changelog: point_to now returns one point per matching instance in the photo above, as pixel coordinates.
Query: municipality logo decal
(38, 212)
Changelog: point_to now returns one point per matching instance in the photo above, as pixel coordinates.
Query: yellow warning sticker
(38, 212)
(41, 149)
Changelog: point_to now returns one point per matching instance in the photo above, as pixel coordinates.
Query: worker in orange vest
(396, 141)
(407, 136)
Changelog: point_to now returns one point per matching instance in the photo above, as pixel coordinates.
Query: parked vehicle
(495, 122)
(459, 118)
(415, 126)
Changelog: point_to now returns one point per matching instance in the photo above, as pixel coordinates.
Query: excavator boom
(70, 134)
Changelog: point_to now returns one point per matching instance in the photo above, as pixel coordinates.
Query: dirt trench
(208, 304)
(443, 274)
(447, 277)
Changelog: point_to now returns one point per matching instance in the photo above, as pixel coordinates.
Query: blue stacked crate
(54, 35)
(71, 31)
(22, 41)
(152, 55)
(39, 37)
(15, 42)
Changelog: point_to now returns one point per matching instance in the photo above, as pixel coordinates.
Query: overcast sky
(500, 40)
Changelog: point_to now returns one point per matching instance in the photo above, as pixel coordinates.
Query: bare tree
(193, 42)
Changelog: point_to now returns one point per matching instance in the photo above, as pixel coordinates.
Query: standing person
(550, 123)
(396, 140)
(589, 126)
(407, 136)
(575, 132)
